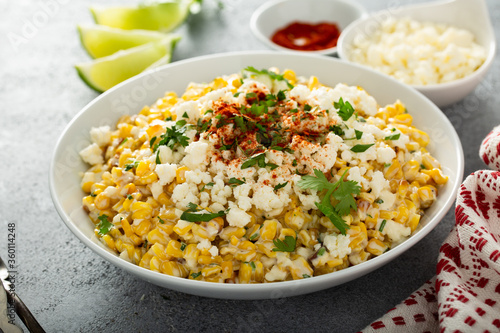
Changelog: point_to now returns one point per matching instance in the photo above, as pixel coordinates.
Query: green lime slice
(101, 41)
(104, 73)
(163, 16)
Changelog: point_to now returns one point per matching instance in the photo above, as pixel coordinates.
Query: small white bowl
(465, 14)
(275, 15)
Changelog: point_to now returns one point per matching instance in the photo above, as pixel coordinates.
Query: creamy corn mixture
(259, 177)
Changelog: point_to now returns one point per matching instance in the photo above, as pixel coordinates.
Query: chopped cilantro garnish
(272, 75)
(130, 197)
(160, 220)
(345, 110)
(240, 122)
(193, 215)
(361, 148)
(294, 162)
(382, 225)
(307, 107)
(277, 187)
(130, 166)
(259, 159)
(272, 166)
(379, 201)
(281, 95)
(336, 129)
(386, 165)
(341, 190)
(359, 134)
(287, 245)
(207, 185)
(195, 275)
(254, 236)
(104, 225)
(252, 264)
(235, 181)
(393, 137)
(183, 246)
(321, 251)
(185, 115)
(422, 166)
(251, 95)
(174, 135)
(306, 276)
(152, 141)
(123, 142)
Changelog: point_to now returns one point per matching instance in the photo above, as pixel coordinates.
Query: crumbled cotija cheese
(419, 53)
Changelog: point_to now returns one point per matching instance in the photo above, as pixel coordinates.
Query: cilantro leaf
(272, 75)
(317, 183)
(281, 95)
(359, 134)
(329, 211)
(104, 225)
(287, 245)
(361, 148)
(336, 129)
(204, 217)
(382, 225)
(130, 166)
(174, 135)
(239, 121)
(211, 184)
(258, 159)
(345, 110)
(341, 191)
(343, 195)
(235, 181)
(277, 187)
(393, 137)
(193, 215)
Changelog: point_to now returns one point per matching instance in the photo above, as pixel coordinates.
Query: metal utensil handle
(24, 313)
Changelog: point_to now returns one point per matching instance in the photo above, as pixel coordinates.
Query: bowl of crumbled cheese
(443, 49)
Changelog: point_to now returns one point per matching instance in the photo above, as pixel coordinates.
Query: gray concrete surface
(71, 289)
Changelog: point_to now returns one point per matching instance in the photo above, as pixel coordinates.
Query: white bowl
(274, 15)
(465, 14)
(129, 97)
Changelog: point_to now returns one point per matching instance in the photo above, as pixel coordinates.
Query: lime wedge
(163, 16)
(104, 73)
(101, 41)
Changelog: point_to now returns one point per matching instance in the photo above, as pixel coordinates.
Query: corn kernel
(180, 174)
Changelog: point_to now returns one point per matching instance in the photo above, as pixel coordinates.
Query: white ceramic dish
(466, 14)
(274, 15)
(129, 97)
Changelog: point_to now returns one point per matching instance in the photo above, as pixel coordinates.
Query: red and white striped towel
(464, 296)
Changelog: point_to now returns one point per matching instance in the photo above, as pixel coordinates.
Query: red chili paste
(307, 37)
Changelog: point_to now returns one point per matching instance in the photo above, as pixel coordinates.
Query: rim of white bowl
(267, 41)
(246, 291)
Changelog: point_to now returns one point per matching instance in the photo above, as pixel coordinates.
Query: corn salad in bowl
(259, 176)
